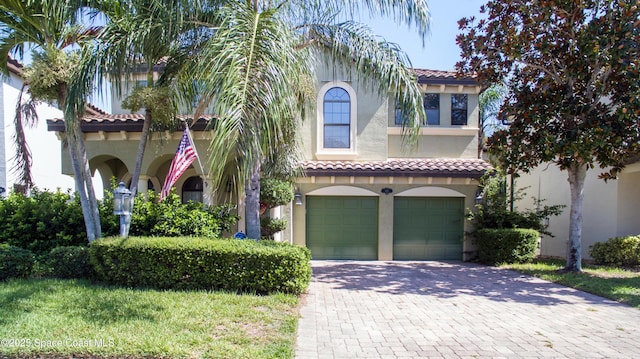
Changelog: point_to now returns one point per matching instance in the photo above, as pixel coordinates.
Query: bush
(168, 218)
(41, 221)
(270, 226)
(15, 262)
(70, 262)
(618, 251)
(199, 263)
(507, 245)
(494, 210)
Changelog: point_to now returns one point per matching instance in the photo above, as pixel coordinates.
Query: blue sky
(440, 51)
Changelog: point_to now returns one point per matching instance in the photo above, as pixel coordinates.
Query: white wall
(44, 145)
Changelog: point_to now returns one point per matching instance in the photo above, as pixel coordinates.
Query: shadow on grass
(621, 286)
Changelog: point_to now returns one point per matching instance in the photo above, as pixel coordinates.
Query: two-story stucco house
(363, 196)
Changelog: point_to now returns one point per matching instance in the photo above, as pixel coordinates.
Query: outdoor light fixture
(122, 203)
(297, 198)
(386, 190)
(479, 197)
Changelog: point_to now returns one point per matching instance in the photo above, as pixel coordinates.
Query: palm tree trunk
(252, 204)
(89, 222)
(140, 154)
(91, 193)
(81, 171)
(577, 175)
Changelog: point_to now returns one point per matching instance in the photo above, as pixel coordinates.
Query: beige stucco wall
(610, 208)
(113, 155)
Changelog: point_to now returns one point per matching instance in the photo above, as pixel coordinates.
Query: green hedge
(507, 245)
(70, 262)
(200, 263)
(617, 251)
(15, 262)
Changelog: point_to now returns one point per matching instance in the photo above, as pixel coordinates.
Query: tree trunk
(577, 174)
(140, 154)
(81, 170)
(252, 204)
(91, 193)
(80, 183)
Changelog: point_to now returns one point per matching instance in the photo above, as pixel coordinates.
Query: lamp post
(122, 207)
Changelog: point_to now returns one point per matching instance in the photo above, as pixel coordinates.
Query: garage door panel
(342, 227)
(428, 228)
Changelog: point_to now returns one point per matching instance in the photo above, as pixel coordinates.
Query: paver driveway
(456, 310)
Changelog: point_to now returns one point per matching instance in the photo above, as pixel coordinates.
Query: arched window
(337, 118)
(192, 189)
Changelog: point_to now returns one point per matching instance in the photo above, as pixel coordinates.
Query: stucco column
(385, 228)
(143, 185)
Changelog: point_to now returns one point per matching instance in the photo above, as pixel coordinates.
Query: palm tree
(48, 29)
(257, 65)
(143, 36)
(489, 103)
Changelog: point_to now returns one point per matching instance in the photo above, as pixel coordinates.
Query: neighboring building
(610, 208)
(363, 196)
(46, 160)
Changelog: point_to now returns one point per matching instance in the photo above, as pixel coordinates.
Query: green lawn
(59, 318)
(613, 283)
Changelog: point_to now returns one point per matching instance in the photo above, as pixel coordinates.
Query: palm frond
(26, 116)
(251, 71)
(379, 64)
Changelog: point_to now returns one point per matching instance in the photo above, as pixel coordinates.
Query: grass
(614, 283)
(63, 318)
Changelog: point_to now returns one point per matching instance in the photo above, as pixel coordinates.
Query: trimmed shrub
(507, 245)
(617, 251)
(41, 221)
(200, 263)
(15, 262)
(70, 262)
(270, 226)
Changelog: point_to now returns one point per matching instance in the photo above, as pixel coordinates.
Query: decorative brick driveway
(456, 310)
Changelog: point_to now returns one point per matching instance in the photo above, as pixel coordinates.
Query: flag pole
(195, 149)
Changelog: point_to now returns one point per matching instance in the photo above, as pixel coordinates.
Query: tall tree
(49, 29)
(258, 64)
(572, 71)
(489, 103)
(149, 37)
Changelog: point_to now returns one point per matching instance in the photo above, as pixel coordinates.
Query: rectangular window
(432, 108)
(458, 110)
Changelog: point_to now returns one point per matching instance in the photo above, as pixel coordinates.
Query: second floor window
(432, 108)
(459, 110)
(337, 118)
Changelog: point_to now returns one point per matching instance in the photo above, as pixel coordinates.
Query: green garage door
(342, 227)
(428, 228)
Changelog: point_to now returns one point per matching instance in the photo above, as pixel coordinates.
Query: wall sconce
(479, 196)
(297, 198)
(386, 190)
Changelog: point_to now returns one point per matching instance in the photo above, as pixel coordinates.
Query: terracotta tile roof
(426, 76)
(94, 122)
(428, 167)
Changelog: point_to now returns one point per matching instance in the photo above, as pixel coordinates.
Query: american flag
(185, 155)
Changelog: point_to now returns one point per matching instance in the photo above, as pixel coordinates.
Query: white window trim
(336, 153)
